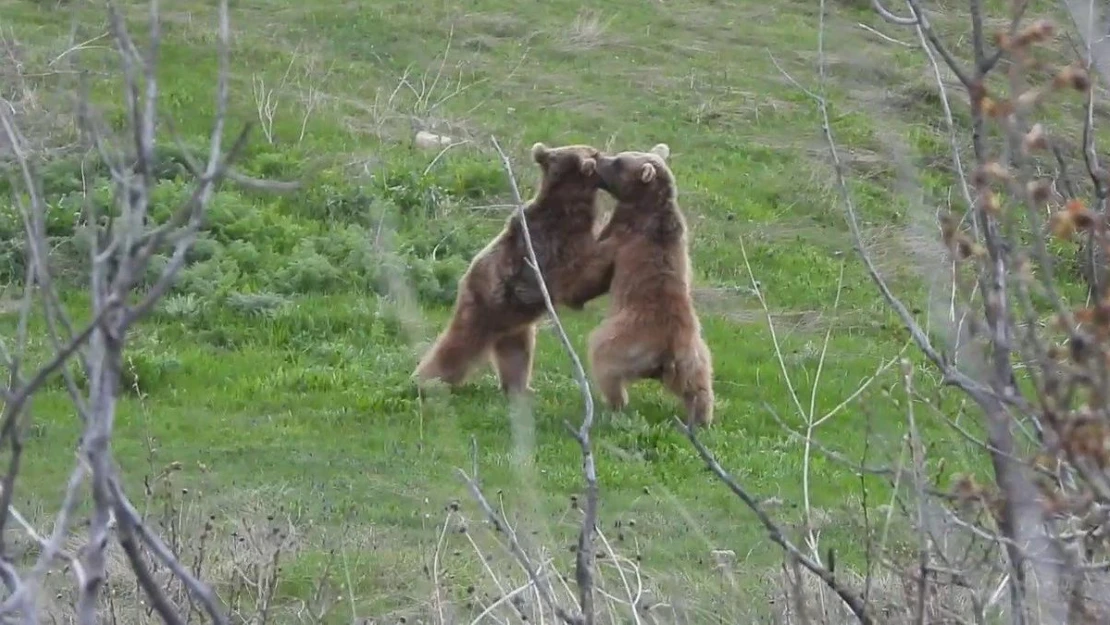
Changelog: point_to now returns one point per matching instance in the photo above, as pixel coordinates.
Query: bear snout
(606, 173)
(603, 182)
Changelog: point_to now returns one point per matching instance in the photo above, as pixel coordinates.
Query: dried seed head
(1038, 190)
(1035, 139)
(989, 172)
(1082, 218)
(1072, 77)
(965, 489)
(1037, 32)
(961, 245)
(994, 108)
(1002, 40)
(989, 202)
(1030, 98)
(1062, 225)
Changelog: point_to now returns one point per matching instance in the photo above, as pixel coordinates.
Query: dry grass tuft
(25, 78)
(588, 31)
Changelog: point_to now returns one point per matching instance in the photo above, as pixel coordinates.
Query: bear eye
(618, 163)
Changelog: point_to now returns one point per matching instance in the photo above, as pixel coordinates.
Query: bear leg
(613, 391)
(453, 356)
(699, 407)
(512, 358)
(608, 366)
(691, 378)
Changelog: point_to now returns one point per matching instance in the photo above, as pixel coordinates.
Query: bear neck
(655, 214)
(565, 200)
(655, 200)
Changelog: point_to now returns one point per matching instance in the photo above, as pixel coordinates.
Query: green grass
(277, 371)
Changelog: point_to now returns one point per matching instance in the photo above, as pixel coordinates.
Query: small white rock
(723, 558)
(426, 139)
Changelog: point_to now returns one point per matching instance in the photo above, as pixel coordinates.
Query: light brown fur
(499, 300)
(651, 330)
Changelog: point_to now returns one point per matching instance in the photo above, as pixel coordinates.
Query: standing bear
(499, 300)
(651, 329)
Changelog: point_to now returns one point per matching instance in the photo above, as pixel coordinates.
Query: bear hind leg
(699, 406)
(614, 364)
(690, 377)
(613, 390)
(512, 358)
(453, 356)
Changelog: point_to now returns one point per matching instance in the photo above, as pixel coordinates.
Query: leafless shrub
(46, 128)
(304, 86)
(242, 556)
(124, 550)
(418, 100)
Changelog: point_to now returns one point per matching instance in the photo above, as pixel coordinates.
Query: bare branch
(774, 532)
(887, 15)
(952, 374)
(130, 522)
(128, 247)
(500, 524)
(584, 566)
(922, 22)
(1092, 28)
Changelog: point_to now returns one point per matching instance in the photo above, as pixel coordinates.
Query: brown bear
(651, 329)
(499, 300)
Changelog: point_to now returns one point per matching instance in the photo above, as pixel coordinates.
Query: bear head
(632, 176)
(568, 166)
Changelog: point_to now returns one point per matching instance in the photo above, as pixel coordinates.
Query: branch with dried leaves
(1031, 503)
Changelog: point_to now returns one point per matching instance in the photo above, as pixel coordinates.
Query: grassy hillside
(276, 373)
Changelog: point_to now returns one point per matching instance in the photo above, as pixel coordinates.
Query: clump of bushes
(335, 234)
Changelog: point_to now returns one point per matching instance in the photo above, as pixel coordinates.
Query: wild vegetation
(225, 241)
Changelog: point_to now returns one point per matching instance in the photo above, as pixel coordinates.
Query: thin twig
(584, 556)
(499, 523)
(775, 533)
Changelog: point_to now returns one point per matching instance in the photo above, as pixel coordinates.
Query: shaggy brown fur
(652, 330)
(499, 300)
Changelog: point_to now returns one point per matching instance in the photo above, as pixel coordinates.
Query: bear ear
(647, 173)
(662, 150)
(588, 166)
(540, 153)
